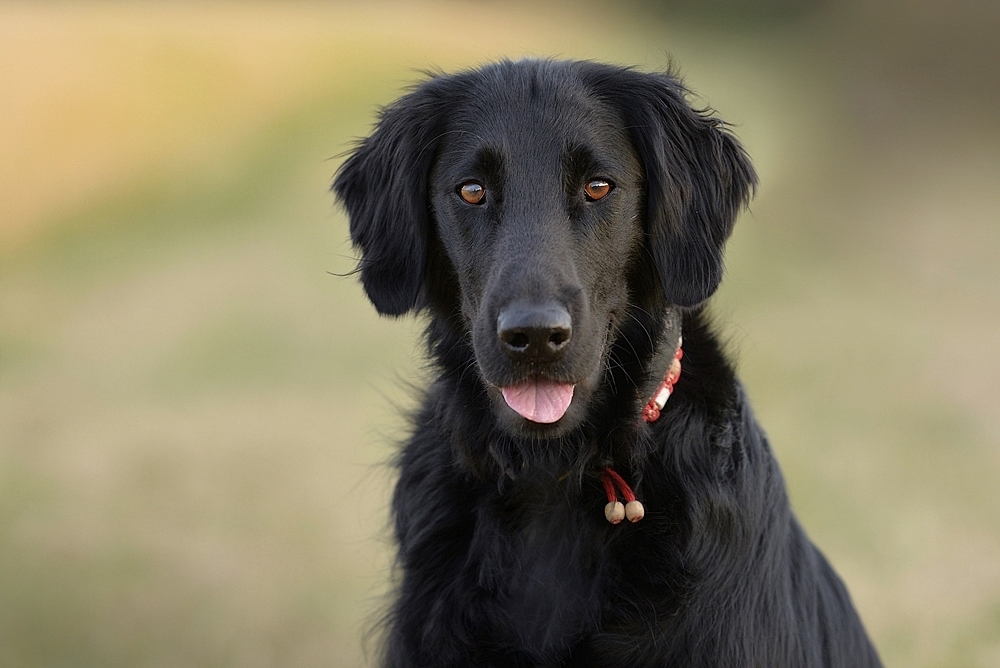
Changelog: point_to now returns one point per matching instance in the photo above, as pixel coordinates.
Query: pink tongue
(542, 401)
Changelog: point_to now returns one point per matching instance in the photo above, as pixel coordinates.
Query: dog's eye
(472, 192)
(597, 189)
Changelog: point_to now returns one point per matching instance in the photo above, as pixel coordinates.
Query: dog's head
(539, 205)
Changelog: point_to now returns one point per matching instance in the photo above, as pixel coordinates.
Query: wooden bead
(633, 511)
(615, 512)
(660, 399)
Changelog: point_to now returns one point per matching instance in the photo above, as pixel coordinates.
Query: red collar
(651, 412)
(615, 511)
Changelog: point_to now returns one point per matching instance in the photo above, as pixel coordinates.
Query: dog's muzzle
(536, 334)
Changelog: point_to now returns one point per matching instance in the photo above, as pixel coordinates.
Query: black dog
(560, 223)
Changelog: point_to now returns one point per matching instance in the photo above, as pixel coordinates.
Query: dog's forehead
(532, 105)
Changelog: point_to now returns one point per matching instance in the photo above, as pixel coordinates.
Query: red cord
(609, 487)
(650, 413)
(610, 478)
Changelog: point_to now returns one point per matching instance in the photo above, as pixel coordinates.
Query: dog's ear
(698, 177)
(384, 186)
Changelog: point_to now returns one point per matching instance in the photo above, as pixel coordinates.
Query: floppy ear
(697, 177)
(384, 186)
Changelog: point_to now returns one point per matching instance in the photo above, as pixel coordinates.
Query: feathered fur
(504, 553)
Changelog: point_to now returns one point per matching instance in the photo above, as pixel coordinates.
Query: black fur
(505, 556)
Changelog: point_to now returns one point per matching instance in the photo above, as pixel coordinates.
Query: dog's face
(536, 199)
(521, 199)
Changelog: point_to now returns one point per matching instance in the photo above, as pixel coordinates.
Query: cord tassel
(615, 512)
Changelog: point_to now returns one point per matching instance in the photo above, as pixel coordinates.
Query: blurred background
(195, 411)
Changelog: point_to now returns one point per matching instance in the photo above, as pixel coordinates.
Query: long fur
(504, 553)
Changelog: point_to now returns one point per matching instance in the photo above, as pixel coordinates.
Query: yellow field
(194, 413)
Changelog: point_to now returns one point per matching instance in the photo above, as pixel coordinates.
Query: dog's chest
(546, 566)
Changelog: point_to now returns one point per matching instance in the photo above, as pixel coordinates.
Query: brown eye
(472, 192)
(597, 189)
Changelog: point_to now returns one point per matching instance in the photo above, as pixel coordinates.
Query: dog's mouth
(542, 400)
(539, 400)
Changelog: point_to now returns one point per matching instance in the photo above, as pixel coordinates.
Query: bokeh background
(195, 411)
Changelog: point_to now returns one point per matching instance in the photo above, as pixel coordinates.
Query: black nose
(534, 332)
